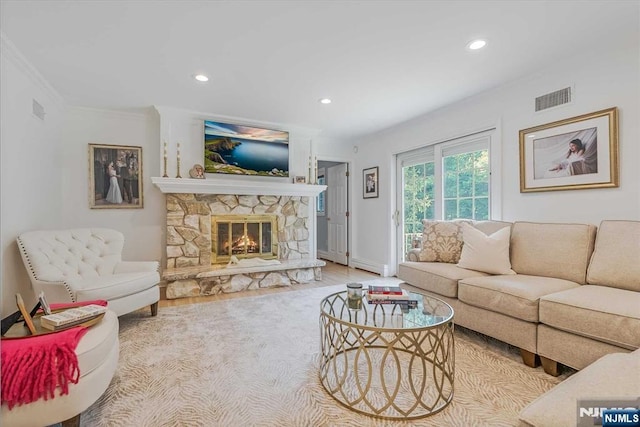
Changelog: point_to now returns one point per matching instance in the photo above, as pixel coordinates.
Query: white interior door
(337, 213)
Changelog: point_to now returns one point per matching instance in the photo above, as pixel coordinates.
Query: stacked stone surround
(189, 243)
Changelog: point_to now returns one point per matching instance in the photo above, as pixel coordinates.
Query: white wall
(186, 127)
(45, 166)
(143, 228)
(45, 171)
(601, 80)
(31, 166)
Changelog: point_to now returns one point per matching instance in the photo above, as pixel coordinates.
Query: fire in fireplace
(245, 236)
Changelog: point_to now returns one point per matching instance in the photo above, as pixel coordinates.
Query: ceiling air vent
(553, 99)
(38, 110)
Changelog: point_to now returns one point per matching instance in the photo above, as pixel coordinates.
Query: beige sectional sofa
(572, 294)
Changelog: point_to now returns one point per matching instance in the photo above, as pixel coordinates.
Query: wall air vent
(38, 110)
(553, 99)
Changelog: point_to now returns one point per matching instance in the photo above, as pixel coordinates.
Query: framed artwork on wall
(115, 176)
(370, 183)
(572, 154)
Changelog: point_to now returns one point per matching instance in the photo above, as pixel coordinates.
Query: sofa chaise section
(613, 378)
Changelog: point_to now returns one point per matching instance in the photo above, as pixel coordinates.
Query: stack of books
(390, 295)
(71, 317)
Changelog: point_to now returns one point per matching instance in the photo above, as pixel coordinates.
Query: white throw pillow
(489, 254)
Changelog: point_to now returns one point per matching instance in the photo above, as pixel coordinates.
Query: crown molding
(9, 51)
(123, 114)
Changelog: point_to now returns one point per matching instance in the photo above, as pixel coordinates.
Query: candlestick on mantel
(178, 164)
(315, 172)
(165, 161)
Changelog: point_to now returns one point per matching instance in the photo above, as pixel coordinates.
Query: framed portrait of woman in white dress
(571, 154)
(115, 177)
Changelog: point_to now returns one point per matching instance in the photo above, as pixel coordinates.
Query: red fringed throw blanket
(33, 367)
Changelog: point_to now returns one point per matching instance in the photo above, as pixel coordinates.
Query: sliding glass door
(418, 201)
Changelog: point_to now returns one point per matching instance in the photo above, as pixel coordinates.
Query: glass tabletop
(429, 312)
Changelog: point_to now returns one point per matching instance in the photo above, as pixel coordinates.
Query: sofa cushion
(552, 250)
(438, 277)
(606, 314)
(442, 241)
(490, 227)
(616, 257)
(612, 377)
(114, 286)
(486, 253)
(513, 295)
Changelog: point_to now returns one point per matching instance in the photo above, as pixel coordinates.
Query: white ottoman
(98, 352)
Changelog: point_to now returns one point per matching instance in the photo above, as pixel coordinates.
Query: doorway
(332, 210)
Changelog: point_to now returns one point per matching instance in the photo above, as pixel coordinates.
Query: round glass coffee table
(388, 360)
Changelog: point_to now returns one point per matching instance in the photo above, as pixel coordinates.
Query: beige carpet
(254, 362)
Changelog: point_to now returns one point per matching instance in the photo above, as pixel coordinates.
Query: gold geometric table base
(387, 372)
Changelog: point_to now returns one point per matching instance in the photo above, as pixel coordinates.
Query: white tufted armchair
(86, 264)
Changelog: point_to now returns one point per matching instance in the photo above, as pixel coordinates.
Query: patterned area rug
(254, 362)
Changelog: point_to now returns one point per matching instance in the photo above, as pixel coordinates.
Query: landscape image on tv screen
(245, 150)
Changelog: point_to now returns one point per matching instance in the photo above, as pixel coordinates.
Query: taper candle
(178, 161)
(165, 160)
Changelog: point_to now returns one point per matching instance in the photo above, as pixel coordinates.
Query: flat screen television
(245, 150)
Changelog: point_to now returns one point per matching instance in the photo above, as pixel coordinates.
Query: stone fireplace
(190, 218)
(205, 228)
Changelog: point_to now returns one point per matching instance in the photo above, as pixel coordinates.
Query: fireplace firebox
(244, 236)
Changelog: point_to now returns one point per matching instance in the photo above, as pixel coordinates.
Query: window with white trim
(448, 180)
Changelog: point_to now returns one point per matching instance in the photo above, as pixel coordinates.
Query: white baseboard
(374, 267)
(323, 255)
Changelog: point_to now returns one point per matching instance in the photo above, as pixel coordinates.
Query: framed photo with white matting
(571, 154)
(370, 183)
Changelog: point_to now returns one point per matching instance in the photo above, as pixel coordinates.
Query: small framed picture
(197, 172)
(44, 303)
(299, 179)
(370, 183)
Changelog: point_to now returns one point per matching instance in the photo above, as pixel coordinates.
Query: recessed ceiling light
(201, 78)
(476, 44)
(325, 101)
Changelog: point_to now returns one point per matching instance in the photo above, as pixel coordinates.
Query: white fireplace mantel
(235, 186)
